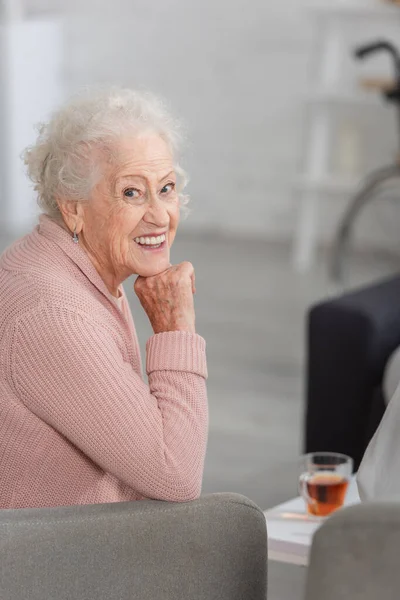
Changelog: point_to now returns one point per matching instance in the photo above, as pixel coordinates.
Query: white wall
(233, 70)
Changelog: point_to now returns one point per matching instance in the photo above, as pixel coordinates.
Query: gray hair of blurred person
(64, 161)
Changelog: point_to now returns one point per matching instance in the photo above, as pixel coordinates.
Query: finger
(137, 282)
(193, 278)
(186, 267)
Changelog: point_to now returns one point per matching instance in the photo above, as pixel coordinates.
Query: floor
(251, 309)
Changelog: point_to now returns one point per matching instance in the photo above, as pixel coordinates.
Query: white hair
(63, 163)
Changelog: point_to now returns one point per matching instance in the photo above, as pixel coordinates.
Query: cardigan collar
(51, 230)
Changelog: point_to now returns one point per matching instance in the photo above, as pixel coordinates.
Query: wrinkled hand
(167, 298)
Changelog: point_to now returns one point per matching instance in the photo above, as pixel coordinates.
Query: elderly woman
(78, 424)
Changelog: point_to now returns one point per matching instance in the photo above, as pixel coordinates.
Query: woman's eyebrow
(129, 176)
(137, 176)
(167, 175)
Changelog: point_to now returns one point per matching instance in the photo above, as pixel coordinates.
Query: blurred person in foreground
(78, 424)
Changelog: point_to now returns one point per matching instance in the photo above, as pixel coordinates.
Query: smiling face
(130, 221)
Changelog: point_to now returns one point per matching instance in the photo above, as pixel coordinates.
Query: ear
(72, 213)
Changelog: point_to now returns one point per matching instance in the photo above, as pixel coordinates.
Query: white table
(291, 529)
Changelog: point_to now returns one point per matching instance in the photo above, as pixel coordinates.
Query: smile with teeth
(151, 242)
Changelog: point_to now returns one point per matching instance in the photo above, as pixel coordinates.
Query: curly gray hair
(63, 163)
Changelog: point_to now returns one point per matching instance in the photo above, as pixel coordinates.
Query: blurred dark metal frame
(371, 184)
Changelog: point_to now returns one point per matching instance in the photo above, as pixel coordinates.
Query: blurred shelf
(351, 8)
(377, 84)
(329, 18)
(330, 184)
(343, 97)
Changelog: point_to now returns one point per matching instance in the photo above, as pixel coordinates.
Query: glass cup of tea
(324, 479)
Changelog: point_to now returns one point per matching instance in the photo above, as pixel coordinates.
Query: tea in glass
(324, 480)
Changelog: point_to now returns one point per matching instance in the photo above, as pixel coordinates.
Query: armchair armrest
(355, 554)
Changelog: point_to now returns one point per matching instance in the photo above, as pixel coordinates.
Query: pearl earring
(75, 237)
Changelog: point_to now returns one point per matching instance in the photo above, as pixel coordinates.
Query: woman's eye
(167, 189)
(131, 193)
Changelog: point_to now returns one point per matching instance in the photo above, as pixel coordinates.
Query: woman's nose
(156, 212)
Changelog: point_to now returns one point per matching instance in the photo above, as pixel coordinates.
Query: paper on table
(291, 536)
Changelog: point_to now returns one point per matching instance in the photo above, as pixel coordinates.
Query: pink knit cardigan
(78, 425)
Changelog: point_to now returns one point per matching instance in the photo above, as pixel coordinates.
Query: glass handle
(303, 491)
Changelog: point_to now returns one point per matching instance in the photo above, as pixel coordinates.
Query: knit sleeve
(69, 371)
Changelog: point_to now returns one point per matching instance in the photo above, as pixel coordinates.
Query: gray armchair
(355, 555)
(211, 548)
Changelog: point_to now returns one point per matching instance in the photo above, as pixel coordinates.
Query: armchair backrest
(212, 548)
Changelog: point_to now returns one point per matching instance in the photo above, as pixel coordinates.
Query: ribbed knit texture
(78, 424)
